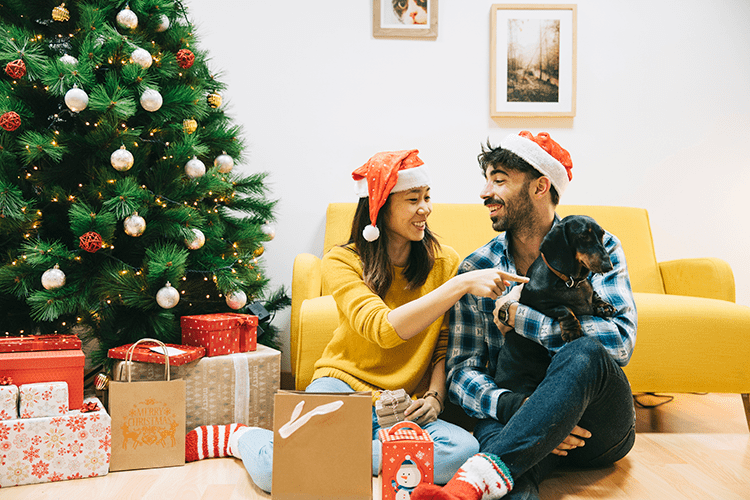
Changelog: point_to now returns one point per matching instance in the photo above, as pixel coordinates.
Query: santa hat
(386, 173)
(544, 154)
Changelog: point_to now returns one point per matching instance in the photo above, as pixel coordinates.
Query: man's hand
(515, 295)
(573, 441)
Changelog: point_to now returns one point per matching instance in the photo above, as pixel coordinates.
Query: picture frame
(405, 19)
(533, 60)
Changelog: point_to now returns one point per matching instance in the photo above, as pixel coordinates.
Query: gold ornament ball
(60, 13)
(189, 126)
(168, 296)
(237, 299)
(121, 159)
(259, 251)
(53, 278)
(214, 100)
(135, 225)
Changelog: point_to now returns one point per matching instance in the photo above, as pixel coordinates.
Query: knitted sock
(482, 477)
(211, 441)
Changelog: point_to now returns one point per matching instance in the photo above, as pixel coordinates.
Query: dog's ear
(556, 247)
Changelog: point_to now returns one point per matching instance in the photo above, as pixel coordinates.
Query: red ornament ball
(10, 121)
(16, 69)
(91, 241)
(185, 58)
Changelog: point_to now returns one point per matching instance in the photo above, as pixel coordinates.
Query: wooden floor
(694, 447)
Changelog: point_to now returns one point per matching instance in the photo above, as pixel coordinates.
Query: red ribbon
(90, 406)
(6, 381)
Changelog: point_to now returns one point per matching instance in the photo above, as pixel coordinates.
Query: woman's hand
(490, 283)
(423, 411)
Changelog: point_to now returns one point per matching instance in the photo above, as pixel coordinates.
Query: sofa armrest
(710, 278)
(306, 284)
(317, 322)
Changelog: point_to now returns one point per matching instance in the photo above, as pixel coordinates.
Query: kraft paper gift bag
(322, 446)
(148, 420)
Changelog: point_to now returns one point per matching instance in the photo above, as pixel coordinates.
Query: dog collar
(570, 282)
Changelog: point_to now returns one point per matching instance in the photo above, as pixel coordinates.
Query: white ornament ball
(142, 58)
(76, 99)
(135, 225)
(168, 296)
(371, 233)
(151, 100)
(195, 168)
(224, 162)
(53, 278)
(68, 59)
(126, 18)
(237, 299)
(163, 24)
(199, 239)
(121, 159)
(269, 230)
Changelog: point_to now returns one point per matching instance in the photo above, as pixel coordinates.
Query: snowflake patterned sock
(482, 477)
(212, 441)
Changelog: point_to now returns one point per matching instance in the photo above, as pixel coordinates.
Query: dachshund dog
(558, 284)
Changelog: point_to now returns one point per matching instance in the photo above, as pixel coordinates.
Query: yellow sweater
(365, 351)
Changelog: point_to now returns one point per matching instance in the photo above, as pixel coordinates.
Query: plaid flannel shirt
(475, 340)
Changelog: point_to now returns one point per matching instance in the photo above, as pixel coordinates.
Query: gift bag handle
(131, 350)
(405, 423)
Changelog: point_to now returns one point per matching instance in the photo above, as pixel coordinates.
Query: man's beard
(519, 214)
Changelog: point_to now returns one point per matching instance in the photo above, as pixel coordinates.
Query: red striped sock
(209, 441)
(482, 477)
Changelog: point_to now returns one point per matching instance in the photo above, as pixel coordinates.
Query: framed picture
(416, 19)
(533, 60)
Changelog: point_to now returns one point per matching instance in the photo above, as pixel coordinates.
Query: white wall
(663, 112)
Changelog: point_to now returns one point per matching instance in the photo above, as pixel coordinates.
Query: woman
(393, 288)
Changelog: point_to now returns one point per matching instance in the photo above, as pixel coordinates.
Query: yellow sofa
(692, 336)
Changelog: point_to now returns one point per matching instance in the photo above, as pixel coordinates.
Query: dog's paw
(570, 329)
(605, 310)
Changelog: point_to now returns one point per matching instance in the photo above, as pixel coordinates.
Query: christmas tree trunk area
(122, 203)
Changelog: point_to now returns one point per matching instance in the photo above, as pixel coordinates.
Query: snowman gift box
(408, 454)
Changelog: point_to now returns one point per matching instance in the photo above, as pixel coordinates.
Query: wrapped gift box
(39, 343)
(43, 399)
(390, 407)
(8, 401)
(248, 331)
(219, 333)
(71, 446)
(221, 389)
(144, 352)
(407, 460)
(47, 366)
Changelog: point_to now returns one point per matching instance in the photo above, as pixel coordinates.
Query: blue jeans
(582, 386)
(452, 444)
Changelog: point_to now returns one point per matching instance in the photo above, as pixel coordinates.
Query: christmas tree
(122, 206)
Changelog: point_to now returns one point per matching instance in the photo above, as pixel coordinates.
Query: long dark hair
(377, 269)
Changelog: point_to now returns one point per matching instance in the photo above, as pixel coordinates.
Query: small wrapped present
(151, 352)
(248, 331)
(43, 399)
(390, 407)
(47, 366)
(219, 333)
(72, 446)
(8, 399)
(408, 459)
(39, 343)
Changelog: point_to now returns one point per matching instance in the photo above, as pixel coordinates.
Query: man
(541, 403)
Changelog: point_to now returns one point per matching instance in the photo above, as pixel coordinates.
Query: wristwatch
(503, 314)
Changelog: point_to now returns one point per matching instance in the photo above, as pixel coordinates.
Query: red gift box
(248, 331)
(39, 343)
(144, 352)
(219, 333)
(407, 460)
(47, 366)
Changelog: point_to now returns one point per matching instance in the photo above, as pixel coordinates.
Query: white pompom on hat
(544, 154)
(385, 173)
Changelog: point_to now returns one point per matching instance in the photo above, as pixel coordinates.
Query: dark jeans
(582, 386)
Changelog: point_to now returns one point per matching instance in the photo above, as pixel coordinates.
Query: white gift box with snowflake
(72, 446)
(8, 401)
(43, 399)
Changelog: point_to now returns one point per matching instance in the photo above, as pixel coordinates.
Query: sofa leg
(746, 403)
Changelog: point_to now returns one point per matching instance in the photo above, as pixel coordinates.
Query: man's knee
(583, 353)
